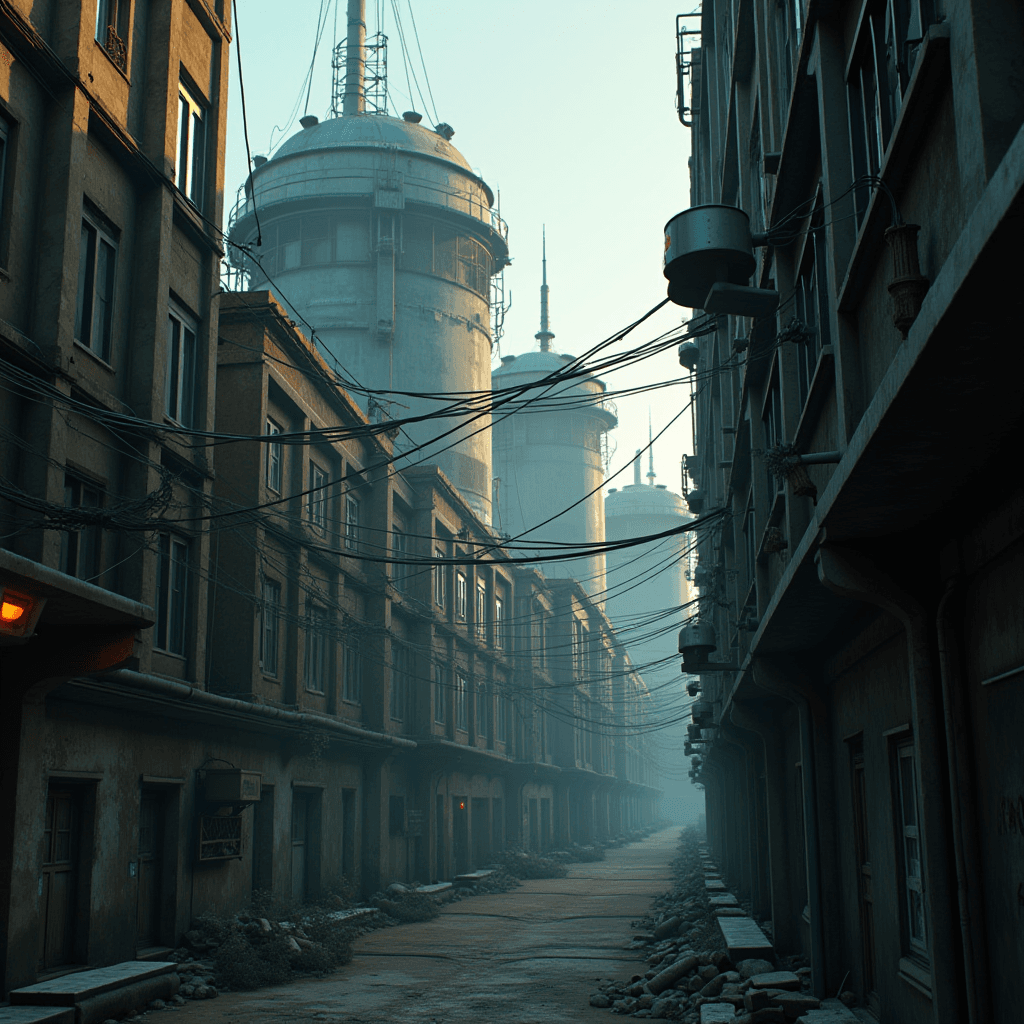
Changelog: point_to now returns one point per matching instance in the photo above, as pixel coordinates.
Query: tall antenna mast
(355, 59)
(650, 451)
(544, 335)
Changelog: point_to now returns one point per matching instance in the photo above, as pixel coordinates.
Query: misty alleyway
(529, 956)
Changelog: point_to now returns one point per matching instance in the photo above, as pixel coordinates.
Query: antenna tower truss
(375, 76)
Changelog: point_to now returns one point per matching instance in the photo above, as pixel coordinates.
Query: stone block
(726, 899)
(750, 968)
(717, 1013)
(71, 989)
(729, 912)
(670, 975)
(778, 979)
(744, 939)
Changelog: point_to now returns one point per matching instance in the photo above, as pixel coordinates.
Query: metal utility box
(232, 786)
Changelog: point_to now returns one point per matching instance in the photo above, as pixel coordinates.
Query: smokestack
(636, 469)
(354, 101)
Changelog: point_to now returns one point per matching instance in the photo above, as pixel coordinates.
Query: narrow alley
(529, 956)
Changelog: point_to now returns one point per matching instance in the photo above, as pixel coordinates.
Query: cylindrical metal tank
(548, 455)
(645, 583)
(378, 233)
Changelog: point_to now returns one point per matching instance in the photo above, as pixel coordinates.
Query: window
(440, 695)
(351, 523)
(275, 457)
(909, 838)
(502, 722)
(499, 623)
(314, 668)
(879, 75)
(750, 541)
(399, 549)
(811, 304)
(461, 702)
(440, 596)
(400, 689)
(112, 30)
(482, 710)
(180, 385)
(396, 815)
(352, 689)
(191, 147)
(460, 596)
(481, 608)
(771, 418)
(171, 591)
(317, 506)
(80, 549)
(270, 627)
(577, 649)
(94, 312)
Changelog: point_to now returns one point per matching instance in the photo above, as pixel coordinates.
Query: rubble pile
(403, 904)
(688, 966)
(520, 864)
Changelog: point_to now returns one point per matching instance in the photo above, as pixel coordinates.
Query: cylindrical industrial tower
(548, 455)
(646, 584)
(378, 233)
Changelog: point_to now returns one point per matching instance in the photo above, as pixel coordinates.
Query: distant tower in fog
(548, 454)
(649, 578)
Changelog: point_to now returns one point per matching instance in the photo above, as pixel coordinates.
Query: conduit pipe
(217, 702)
(965, 828)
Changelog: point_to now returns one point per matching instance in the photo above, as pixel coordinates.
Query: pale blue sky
(569, 109)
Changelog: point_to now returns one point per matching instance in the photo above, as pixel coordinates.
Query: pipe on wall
(962, 810)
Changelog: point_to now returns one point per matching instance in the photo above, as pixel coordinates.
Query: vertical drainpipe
(964, 815)
(354, 100)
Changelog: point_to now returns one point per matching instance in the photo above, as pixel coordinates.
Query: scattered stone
(848, 998)
(751, 968)
(796, 1003)
(157, 1004)
(667, 928)
(601, 1001)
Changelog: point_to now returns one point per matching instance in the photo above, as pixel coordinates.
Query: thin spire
(544, 335)
(650, 450)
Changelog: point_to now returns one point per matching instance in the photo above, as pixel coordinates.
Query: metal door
(150, 869)
(57, 883)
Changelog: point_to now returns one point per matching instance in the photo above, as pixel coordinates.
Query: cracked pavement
(530, 956)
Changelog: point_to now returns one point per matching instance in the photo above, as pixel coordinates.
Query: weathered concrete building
(861, 753)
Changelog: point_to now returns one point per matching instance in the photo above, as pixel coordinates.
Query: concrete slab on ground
(433, 890)
(831, 1012)
(714, 885)
(37, 1015)
(69, 989)
(744, 940)
(725, 900)
(717, 1013)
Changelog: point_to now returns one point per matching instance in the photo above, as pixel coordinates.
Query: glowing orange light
(12, 611)
(462, 805)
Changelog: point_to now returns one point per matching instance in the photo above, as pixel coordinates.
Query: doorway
(58, 881)
(439, 868)
(534, 827)
(348, 834)
(152, 812)
(545, 822)
(460, 834)
(305, 844)
(481, 825)
(263, 842)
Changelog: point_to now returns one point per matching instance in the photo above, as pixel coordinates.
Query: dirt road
(530, 956)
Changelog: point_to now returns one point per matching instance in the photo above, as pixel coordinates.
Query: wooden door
(864, 881)
(57, 883)
(150, 869)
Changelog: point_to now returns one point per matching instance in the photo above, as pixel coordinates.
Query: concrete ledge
(725, 900)
(472, 877)
(717, 1013)
(71, 989)
(744, 940)
(831, 1012)
(715, 884)
(433, 890)
(37, 1015)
